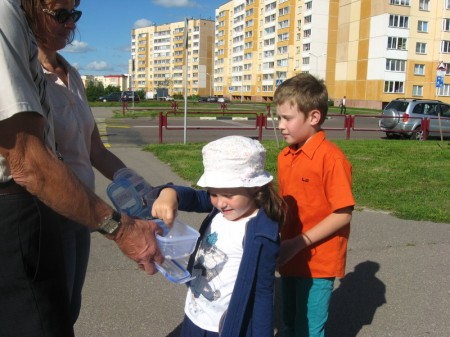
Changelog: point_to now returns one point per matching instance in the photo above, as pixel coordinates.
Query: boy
(315, 181)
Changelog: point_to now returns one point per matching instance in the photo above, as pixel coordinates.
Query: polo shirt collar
(309, 147)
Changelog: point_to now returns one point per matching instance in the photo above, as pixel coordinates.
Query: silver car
(403, 117)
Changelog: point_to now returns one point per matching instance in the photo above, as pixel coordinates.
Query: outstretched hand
(165, 206)
(136, 239)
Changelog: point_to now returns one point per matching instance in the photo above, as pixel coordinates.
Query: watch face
(110, 225)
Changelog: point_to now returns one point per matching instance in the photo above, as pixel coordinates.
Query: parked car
(111, 97)
(127, 96)
(118, 96)
(223, 100)
(168, 98)
(403, 117)
(212, 99)
(203, 99)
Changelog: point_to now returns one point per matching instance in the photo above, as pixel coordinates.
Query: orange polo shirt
(315, 181)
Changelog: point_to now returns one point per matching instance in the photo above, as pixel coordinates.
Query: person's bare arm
(40, 172)
(102, 159)
(327, 227)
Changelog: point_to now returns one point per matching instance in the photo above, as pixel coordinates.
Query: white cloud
(142, 23)
(98, 66)
(175, 3)
(77, 47)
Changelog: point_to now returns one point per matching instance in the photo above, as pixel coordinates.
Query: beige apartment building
(371, 51)
(158, 57)
(121, 81)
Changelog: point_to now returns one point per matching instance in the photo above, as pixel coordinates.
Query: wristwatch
(110, 224)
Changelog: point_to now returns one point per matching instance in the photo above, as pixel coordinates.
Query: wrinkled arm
(37, 169)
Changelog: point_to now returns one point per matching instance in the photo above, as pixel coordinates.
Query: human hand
(289, 248)
(165, 206)
(136, 239)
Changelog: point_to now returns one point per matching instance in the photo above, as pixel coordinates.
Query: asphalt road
(144, 130)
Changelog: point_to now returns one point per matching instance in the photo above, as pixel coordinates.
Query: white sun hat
(234, 161)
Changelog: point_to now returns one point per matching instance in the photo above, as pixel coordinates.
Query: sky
(103, 38)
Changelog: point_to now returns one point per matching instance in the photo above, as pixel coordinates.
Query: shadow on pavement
(355, 300)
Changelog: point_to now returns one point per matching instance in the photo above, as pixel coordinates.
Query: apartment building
(371, 51)
(160, 52)
(260, 43)
(121, 81)
(392, 48)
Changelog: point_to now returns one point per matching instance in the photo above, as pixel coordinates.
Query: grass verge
(409, 179)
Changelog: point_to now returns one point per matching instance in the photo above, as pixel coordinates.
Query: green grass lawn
(410, 179)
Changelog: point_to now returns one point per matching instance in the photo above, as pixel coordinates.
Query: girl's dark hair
(274, 206)
(37, 18)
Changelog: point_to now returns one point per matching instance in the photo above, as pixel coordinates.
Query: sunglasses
(62, 15)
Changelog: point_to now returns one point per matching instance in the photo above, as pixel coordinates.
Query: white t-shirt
(216, 268)
(23, 84)
(74, 122)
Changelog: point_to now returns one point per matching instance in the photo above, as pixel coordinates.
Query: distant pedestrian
(343, 105)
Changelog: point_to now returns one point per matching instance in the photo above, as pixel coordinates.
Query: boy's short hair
(305, 91)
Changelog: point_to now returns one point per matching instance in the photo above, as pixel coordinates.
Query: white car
(168, 98)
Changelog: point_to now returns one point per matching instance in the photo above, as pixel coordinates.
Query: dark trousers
(33, 294)
(189, 329)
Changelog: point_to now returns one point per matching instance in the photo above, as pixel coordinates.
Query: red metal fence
(349, 125)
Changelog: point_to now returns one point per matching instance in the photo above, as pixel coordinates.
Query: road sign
(278, 82)
(230, 89)
(439, 81)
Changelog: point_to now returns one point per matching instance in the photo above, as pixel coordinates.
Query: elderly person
(76, 132)
(35, 186)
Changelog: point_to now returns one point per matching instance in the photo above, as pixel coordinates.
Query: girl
(234, 261)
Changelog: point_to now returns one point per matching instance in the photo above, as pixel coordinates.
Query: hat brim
(219, 180)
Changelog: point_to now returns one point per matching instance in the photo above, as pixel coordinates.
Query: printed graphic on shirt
(209, 262)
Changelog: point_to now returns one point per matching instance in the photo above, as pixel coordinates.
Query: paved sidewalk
(397, 282)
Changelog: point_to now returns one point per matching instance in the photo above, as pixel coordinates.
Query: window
(422, 26)
(417, 90)
(447, 4)
(421, 48)
(283, 37)
(307, 33)
(444, 90)
(445, 46)
(395, 65)
(447, 68)
(398, 43)
(391, 87)
(446, 25)
(400, 2)
(424, 5)
(283, 11)
(283, 24)
(398, 21)
(419, 69)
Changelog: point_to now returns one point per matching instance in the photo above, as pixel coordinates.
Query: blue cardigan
(250, 312)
